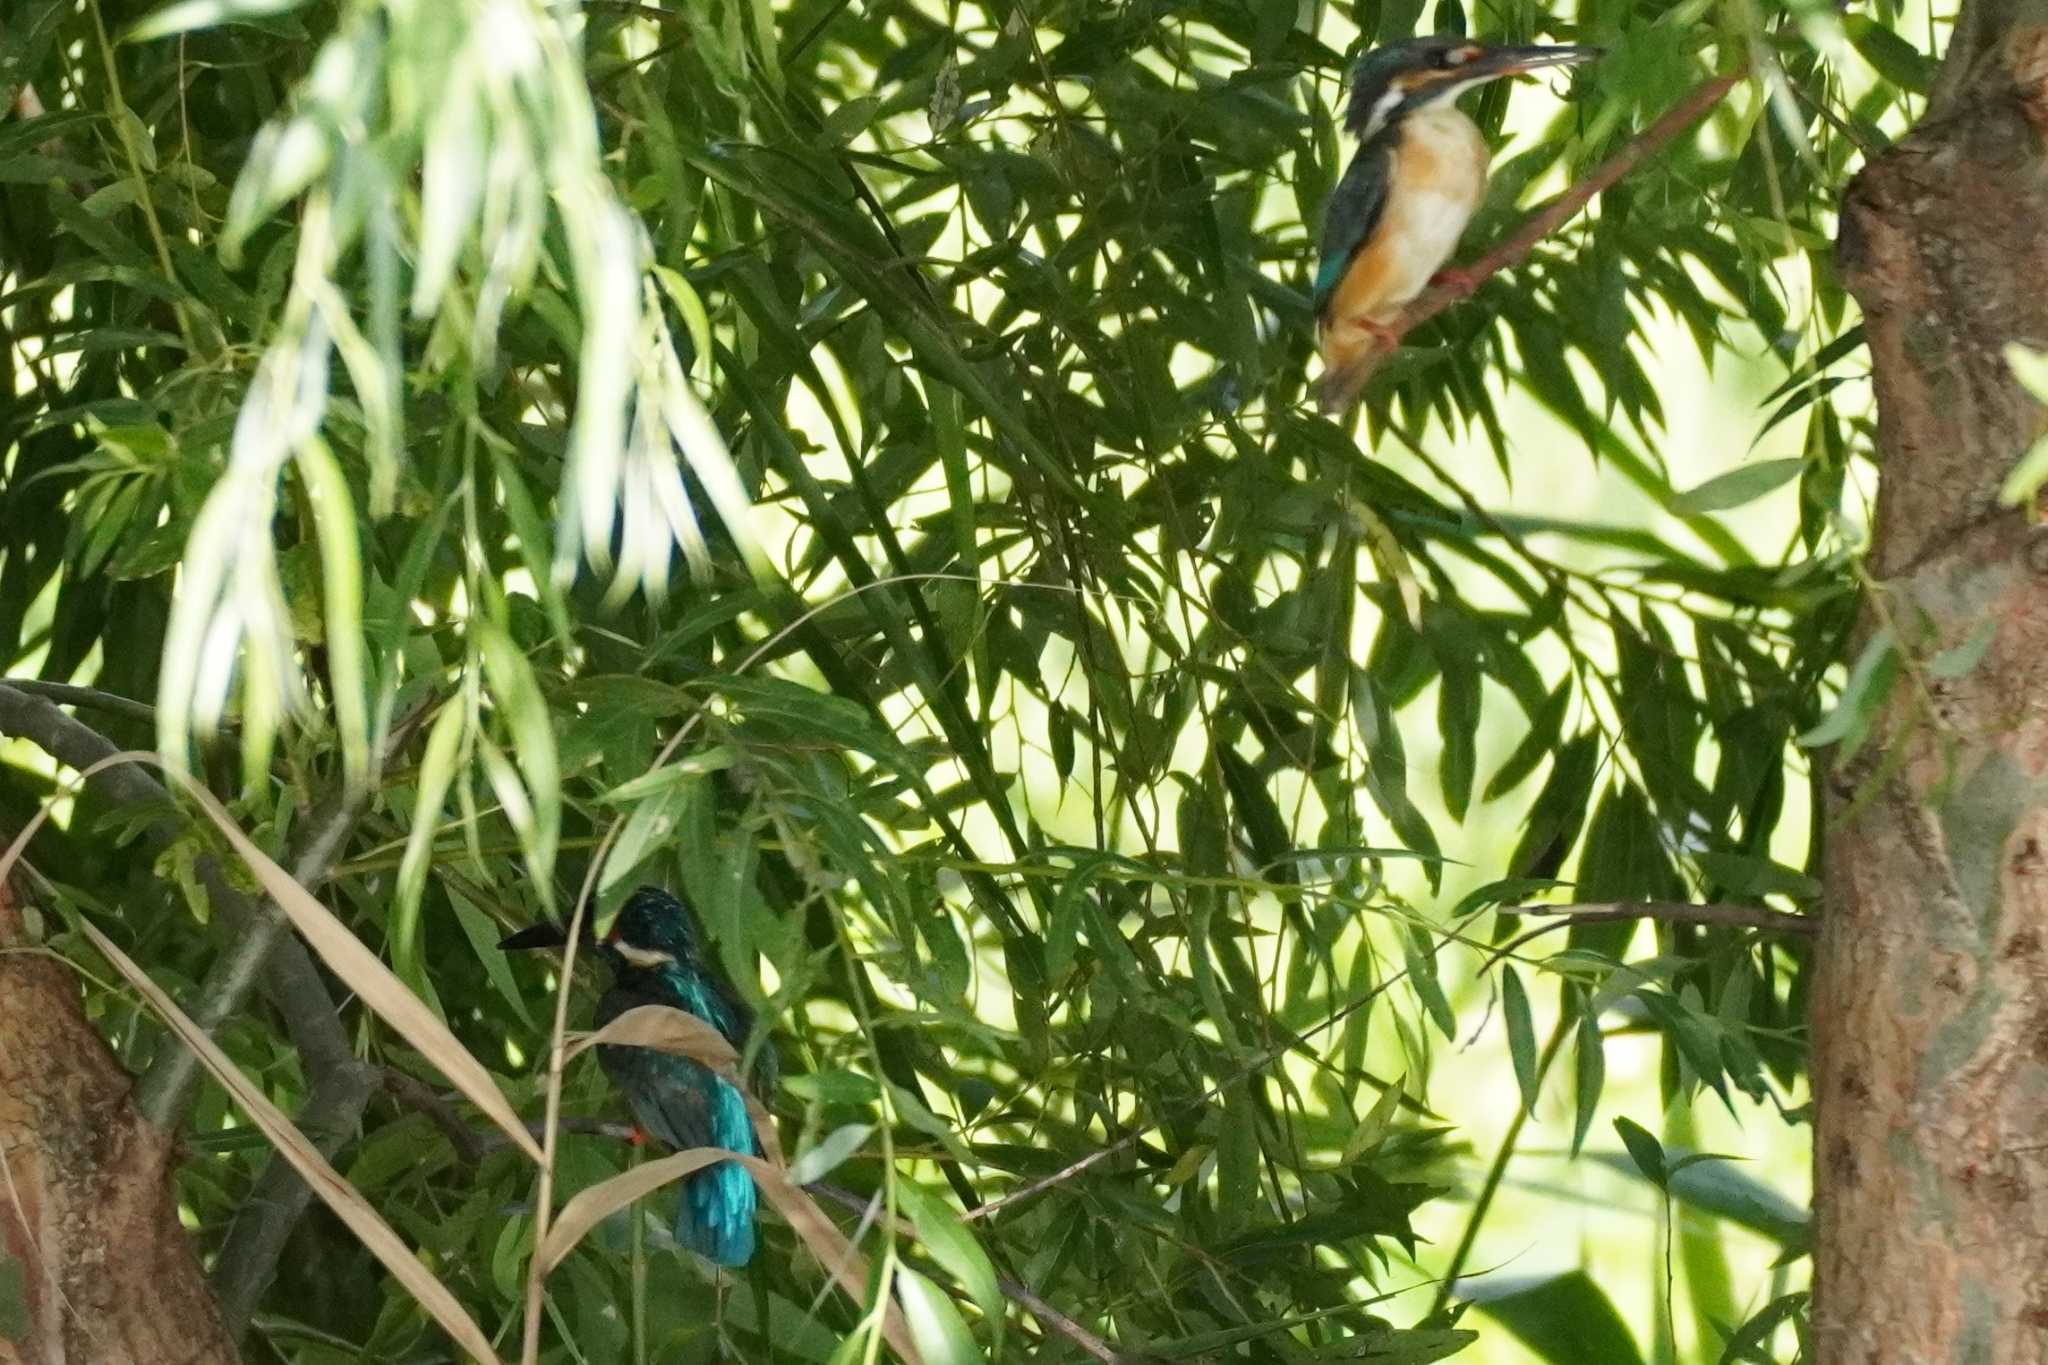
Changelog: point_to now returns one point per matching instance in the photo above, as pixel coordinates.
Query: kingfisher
(1418, 176)
(655, 950)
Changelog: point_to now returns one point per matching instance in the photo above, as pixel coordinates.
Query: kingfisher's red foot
(1382, 336)
(1459, 282)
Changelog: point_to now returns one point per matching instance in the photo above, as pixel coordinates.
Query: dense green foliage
(1089, 740)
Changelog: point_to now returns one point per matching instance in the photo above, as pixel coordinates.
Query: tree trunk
(1930, 1011)
(94, 1266)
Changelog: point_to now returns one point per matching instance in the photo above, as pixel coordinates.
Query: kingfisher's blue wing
(1353, 211)
(683, 1104)
(670, 1096)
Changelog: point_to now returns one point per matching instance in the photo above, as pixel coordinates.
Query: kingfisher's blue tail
(715, 1217)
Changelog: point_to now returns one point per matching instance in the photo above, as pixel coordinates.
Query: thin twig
(91, 698)
(1132, 1138)
(1013, 1290)
(417, 1094)
(1676, 912)
(472, 1145)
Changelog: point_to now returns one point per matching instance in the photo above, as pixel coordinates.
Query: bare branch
(472, 1145)
(1676, 912)
(263, 1224)
(91, 698)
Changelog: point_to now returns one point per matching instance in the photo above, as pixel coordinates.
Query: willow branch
(1552, 216)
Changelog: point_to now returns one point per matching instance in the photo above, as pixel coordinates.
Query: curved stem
(1483, 1202)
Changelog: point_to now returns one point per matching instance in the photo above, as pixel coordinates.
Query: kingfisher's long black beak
(1513, 61)
(542, 935)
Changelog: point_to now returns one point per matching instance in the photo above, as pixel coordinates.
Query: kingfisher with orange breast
(1418, 176)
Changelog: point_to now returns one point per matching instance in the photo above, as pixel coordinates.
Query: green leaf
(182, 16)
(848, 120)
(1962, 659)
(1725, 1191)
(1736, 487)
(1521, 1035)
(430, 795)
(1565, 1320)
(1890, 55)
(1544, 736)
(935, 1325)
(1753, 1335)
(1377, 1123)
(1644, 1150)
(678, 773)
(650, 827)
(833, 1087)
(1590, 1075)
(1420, 956)
(483, 934)
(947, 1241)
(1458, 724)
(815, 1163)
(1863, 696)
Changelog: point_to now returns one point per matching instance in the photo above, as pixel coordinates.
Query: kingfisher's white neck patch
(644, 957)
(1376, 119)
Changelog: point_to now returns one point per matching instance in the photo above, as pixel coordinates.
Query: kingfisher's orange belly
(1438, 177)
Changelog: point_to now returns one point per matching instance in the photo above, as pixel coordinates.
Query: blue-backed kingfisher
(657, 956)
(1419, 174)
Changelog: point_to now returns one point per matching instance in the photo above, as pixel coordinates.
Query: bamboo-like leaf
(182, 16)
(663, 1029)
(832, 1150)
(1644, 1150)
(341, 599)
(1589, 1050)
(430, 793)
(949, 1243)
(934, 1323)
(1521, 1035)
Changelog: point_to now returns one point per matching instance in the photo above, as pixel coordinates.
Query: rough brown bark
(1930, 1013)
(87, 1218)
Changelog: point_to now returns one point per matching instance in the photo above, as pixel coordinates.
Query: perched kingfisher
(1419, 174)
(657, 957)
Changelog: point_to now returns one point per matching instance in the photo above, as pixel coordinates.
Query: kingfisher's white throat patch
(644, 957)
